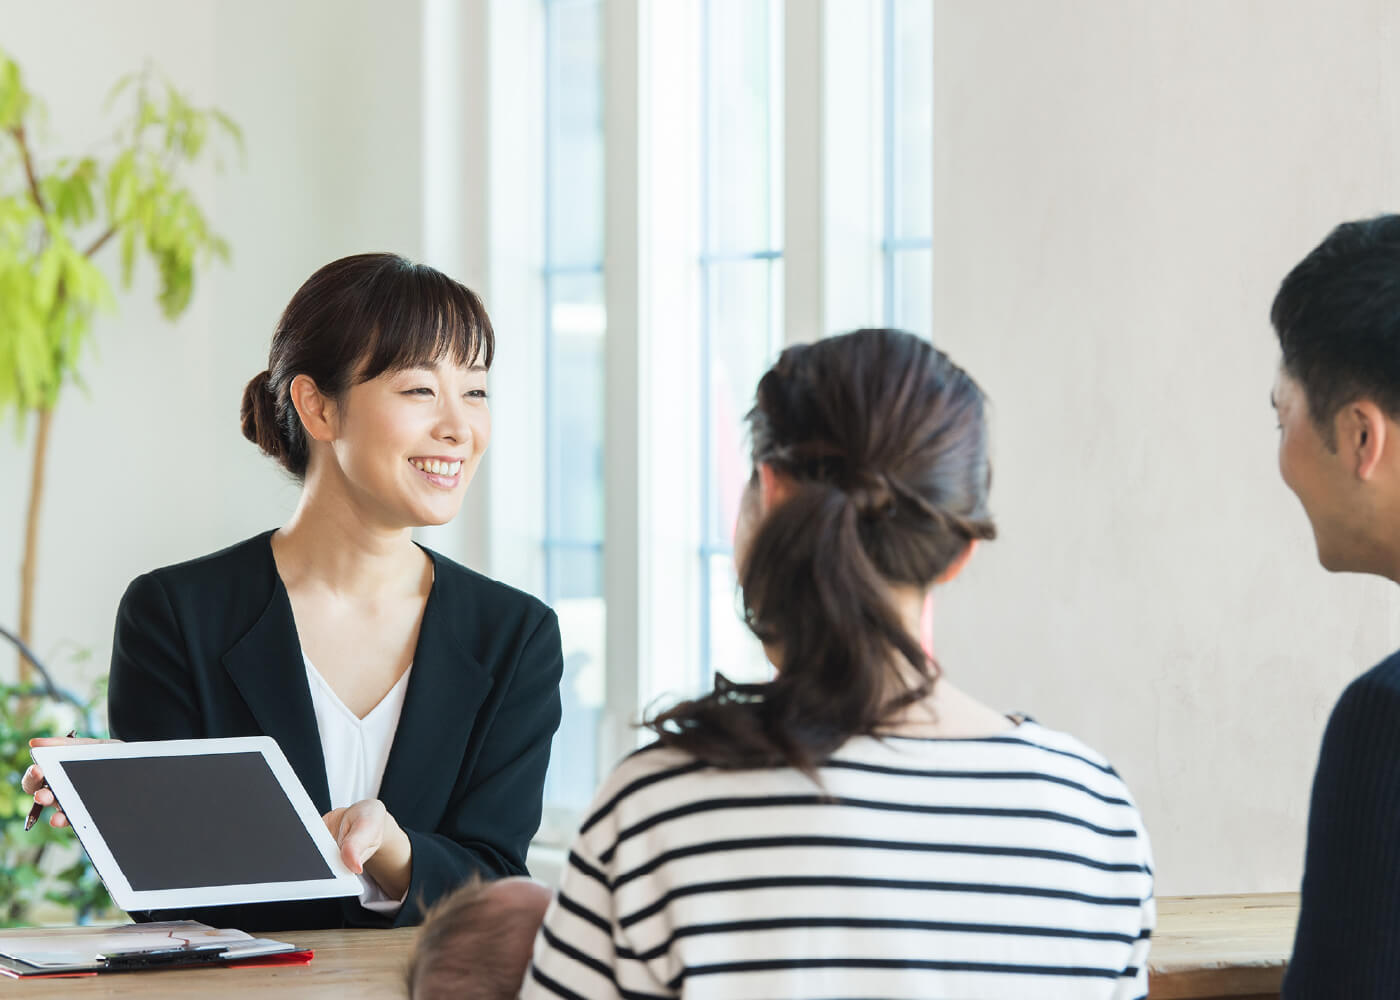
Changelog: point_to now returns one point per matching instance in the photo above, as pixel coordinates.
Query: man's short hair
(473, 945)
(1337, 315)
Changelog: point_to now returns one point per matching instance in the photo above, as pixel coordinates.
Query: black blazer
(208, 648)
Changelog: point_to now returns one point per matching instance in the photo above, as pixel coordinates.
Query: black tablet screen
(196, 821)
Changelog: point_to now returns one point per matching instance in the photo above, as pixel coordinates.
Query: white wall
(1119, 188)
(149, 467)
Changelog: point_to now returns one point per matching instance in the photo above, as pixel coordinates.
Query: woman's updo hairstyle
(884, 440)
(352, 321)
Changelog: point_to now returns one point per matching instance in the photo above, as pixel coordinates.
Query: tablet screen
(196, 821)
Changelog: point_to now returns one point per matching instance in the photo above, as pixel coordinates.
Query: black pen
(36, 809)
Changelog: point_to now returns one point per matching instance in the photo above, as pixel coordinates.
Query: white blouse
(356, 751)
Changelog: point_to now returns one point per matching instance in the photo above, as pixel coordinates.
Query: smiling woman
(415, 699)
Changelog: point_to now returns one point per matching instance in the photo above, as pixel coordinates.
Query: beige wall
(1119, 187)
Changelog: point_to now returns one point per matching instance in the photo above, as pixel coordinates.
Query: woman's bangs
(423, 319)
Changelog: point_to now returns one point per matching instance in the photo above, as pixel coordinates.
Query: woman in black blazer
(375, 398)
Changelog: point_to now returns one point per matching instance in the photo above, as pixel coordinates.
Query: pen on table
(36, 809)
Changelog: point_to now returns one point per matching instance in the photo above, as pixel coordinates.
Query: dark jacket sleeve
(495, 809)
(150, 695)
(1348, 940)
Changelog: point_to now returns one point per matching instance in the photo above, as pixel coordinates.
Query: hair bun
(258, 414)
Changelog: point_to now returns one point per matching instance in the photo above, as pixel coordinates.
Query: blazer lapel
(445, 692)
(267, 666)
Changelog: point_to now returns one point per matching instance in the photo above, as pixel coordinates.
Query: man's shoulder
(1383, 676)
(1365, 722)
(1375, 691)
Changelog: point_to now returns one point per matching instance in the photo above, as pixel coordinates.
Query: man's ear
(317, 413)
(1362, 433)
(773, 487)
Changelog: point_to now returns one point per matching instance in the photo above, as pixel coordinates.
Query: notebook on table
(79, 951)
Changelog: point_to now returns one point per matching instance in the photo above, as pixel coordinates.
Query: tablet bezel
(52, 759)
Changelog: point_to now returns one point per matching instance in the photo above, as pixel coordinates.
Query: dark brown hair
(469, 949)
(1337, 315)
(353, 320)
(885, 441)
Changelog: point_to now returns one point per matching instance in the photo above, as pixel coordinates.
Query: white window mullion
(669, 215)
(907, 171)
(834, 185)
(852, 162)
(515, 226)
(804, 174)
(625, 423)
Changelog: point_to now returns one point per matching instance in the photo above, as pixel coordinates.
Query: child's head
(475, 944)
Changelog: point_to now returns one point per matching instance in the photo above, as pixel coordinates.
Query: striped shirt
(1013, 866)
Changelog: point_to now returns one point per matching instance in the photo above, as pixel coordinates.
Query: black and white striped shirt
(1013, 866)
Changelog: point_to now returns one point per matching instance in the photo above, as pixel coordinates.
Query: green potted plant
(44, 873)
(57, 217)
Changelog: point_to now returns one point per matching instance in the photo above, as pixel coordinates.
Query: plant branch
(18, 133)
(100, 242)
(29, 567)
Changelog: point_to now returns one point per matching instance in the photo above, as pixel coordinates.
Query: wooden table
(1205, 948)
(1211, 947)
(348, 965)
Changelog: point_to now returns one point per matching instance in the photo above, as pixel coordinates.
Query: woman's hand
(33, 780)
(371, 842)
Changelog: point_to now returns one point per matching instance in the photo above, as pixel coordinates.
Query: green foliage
(14, 101)
(56, 216)
(44, 874)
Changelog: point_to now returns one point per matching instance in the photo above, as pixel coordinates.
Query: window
(741, 291)
(574, 325)
(701, 289)
(908, 175)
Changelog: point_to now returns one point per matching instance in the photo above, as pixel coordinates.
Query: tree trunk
(29, 568)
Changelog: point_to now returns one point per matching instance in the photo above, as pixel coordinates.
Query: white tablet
(180, 823)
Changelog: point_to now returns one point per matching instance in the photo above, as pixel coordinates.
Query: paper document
(99, 949)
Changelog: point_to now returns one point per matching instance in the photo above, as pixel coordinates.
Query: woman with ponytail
(415, 699)
(855, 826)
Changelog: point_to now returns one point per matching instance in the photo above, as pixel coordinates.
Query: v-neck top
(356, 752)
